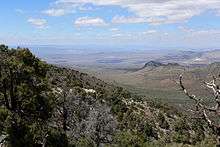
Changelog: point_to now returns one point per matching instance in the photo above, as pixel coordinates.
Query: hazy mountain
(99, 59)
(192, 58)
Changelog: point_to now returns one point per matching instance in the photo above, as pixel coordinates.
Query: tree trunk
(65, 119)
(12, 96)
(5, 94)
(218, 136)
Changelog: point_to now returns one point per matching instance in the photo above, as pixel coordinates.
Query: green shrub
(198, 135)
(181, 134)
(19, 134)
(128, 139)
(85, 142)
(3, 116)
(57, 138)
(162, 121)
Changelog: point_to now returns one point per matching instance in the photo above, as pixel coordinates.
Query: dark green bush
(56, 138)
(162, 121)
(128, 139)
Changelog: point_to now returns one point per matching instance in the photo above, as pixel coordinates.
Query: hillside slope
(69, 108)
(158, 80)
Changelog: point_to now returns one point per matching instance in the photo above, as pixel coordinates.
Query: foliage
(85, 142)
(19, 133)
(57, 138)
(162, 121)
(25, 93)
(128, 139)
(198, 128)
(181, 134)
(3, 116)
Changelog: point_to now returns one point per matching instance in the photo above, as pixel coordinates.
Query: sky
(144, 23)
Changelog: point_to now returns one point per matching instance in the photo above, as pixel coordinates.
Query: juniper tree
(25, 95)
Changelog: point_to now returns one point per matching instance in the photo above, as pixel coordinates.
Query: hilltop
(155, 64)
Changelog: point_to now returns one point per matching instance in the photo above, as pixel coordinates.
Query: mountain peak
(153, 64)
(173, 64)
(158, 64)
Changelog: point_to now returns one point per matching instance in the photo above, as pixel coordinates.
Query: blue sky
(146, 23)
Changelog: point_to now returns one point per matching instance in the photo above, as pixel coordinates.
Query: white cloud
(20, 11)
(117, 35)
(206, 32)
(55, 12)
(123, 19)
(185, 29)
(192, 32)
(89, 21)
(85, 8)
(152, 11)
(37, 22)
(150, 32)
(114, 29)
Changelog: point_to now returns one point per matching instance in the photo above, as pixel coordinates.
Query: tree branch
(198, 102)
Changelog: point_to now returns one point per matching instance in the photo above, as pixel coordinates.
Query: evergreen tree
(25, 95)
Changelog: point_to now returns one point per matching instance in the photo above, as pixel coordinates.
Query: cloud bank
(145, 11)
(88, 21)
(38, 22)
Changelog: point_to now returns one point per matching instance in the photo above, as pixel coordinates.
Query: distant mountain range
(117, 59)
(192, 58)
(158, 64)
